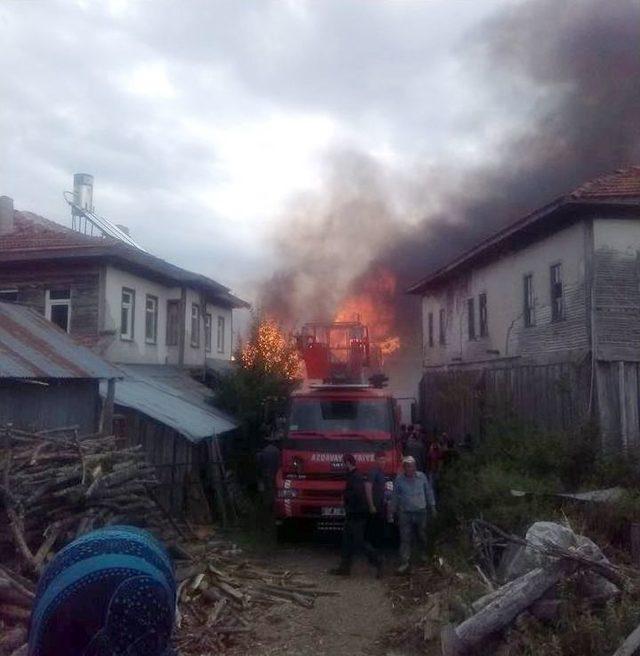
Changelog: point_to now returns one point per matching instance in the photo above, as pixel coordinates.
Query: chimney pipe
(6, 215)
(83, 191)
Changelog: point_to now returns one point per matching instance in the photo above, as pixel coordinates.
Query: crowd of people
(368, 509)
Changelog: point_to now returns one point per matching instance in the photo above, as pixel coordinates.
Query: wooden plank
(631, 404)
(622, 405)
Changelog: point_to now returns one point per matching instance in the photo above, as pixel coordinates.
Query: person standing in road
(356, 515)
(416, 450)
(268, 461)
(412, 494)
(375, 489)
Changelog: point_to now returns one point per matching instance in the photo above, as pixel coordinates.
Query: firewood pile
(220, 594)
(57, 485)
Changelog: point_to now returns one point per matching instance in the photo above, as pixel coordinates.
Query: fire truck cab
(339, 415)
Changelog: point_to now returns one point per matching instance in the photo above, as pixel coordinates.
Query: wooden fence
(463, 401)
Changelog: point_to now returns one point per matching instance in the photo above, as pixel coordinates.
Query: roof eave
(561, 203)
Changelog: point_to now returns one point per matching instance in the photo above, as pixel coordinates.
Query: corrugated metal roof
(32, 347)
(172, 397)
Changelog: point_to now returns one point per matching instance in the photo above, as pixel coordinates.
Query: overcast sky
(201, 120)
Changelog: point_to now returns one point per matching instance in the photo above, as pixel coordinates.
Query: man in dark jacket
(356, 514)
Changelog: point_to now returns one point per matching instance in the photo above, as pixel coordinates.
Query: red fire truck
(341, 413)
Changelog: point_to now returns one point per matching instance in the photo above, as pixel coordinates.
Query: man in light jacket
(412, 493)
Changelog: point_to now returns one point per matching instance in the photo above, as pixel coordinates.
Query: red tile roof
(32, 231)
(621, 187)
(36, 238)
(623, 183)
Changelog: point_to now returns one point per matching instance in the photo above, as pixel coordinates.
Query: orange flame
(374, 308)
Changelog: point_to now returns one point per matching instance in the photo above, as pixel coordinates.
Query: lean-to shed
(47, 380)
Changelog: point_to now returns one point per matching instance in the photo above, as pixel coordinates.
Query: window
(318, 416)
(58, 307)
(528, 312)
(471, 318)
(173, 322)
(207, 332)
(195, 325)
(127, 310)
(442, 327)
(9, 295)
(430, 324)
(220, 341)
(482, 315)
(557, 305)
(151, 320)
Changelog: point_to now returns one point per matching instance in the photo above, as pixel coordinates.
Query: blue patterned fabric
(108, 593)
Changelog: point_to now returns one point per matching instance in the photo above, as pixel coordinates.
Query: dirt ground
(354, 622)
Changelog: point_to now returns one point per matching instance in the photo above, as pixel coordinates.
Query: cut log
(501, 610)
(12, 639)
(631, 645)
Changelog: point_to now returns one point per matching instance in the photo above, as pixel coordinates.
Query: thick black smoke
(582, 60)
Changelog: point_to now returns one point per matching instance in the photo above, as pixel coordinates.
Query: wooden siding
(54, 404)
(83, 280)
(183, 468)
(547, 336)
(617, 305)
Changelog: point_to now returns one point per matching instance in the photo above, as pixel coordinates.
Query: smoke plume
(581, 62)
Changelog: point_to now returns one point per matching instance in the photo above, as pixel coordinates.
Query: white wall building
(542, 317)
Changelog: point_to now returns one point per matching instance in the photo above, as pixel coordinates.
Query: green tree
(268, 370)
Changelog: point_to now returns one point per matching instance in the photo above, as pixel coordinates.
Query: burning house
(542, 319)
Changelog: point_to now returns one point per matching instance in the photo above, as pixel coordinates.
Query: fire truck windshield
(342, 416)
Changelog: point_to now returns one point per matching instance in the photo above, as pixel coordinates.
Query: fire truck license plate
(332, 511)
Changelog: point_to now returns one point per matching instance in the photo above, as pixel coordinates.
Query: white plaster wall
(502, 281)
(137, 351)
(196, 356)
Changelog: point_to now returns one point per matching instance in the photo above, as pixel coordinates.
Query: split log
(14, 613)
(501, 610)
(21, 651)
(631, 645)
(12, 639)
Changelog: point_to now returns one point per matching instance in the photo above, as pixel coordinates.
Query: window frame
(220, 334)
(50, 303)
(172, 302)
(208, 332)
(128, 336)
(430, 329)
(483, 315)
(556, 301)
(195, 334)
(9, 290)
(442, 327)
(471, 319)
(528, 301)
(154, 338)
